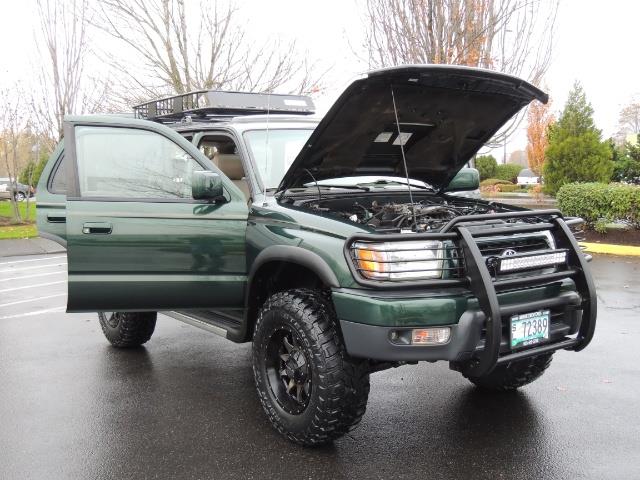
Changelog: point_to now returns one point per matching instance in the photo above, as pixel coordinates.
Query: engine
(402, 216)
(387, 215)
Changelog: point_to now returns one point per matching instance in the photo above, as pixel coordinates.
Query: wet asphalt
(184, 406)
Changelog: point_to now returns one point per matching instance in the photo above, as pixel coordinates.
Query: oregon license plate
(529, 329)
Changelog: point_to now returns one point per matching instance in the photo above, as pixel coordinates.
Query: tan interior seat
(231, 165)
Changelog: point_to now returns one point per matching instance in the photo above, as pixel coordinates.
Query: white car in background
(527, 177)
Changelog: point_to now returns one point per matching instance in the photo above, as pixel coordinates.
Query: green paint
(197, 255)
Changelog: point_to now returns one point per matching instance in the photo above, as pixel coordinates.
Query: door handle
(102, 228)
(56, 218)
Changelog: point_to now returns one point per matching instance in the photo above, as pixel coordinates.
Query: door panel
(50, 207)
(157, 256)
(136, 239)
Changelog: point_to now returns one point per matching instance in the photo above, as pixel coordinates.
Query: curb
(610, 249)
(18, 247)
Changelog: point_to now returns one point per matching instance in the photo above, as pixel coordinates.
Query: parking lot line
(32, 260)
(32, 286)
(33, 276)
(36, 312)
(32, 299)
(21, 269)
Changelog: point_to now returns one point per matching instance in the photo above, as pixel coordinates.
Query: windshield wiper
(396, 182)
(345, 187)
(280, 193)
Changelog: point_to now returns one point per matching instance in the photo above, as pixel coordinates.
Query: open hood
(446, 114)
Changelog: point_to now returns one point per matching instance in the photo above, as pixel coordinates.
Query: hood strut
(404, 158)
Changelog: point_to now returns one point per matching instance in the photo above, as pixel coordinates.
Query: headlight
(406, 260)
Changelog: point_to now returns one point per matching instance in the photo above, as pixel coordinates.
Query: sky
(596, 43)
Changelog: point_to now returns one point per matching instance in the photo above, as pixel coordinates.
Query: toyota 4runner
(338, 247)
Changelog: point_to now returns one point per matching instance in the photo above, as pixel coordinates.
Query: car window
(131, 163)
(274, 152)
(58, 182)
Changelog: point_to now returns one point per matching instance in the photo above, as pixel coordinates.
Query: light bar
(510, 264)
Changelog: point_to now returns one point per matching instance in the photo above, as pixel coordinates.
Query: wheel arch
(281, 267)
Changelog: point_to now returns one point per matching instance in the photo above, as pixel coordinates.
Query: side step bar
(198, 322)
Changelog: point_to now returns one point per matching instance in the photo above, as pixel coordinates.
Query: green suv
(338, 247)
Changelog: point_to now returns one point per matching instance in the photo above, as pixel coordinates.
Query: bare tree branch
(63, 85)
(13, 124)
(629, 120)
(511, 36)
(176, 51)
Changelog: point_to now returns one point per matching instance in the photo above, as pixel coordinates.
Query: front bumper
(467, 335)
(490, 291)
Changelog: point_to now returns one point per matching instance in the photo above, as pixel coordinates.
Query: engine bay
(394, 214)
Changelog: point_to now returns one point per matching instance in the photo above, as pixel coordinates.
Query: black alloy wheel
(288, 371)
(312, 391)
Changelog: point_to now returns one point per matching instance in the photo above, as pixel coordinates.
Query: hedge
(486, 166)
(601, 203)
(508, 171)
(510, 187)
(490, 182)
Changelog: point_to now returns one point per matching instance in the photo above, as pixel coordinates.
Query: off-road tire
(339, 383)
(126, 330)
(511, 376)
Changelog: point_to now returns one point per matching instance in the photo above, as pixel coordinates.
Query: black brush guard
(485, 288)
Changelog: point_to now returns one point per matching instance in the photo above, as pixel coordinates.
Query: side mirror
(466, 179)
(206, 185)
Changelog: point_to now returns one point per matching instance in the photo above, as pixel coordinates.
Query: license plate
(529, 329)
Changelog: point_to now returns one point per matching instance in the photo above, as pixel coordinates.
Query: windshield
(274, 156)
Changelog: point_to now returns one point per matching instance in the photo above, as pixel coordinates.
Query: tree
(30, 174)
(632, 150)
(540, 119)
(13, 123)
(626, 165)
(511, 36)
(181, 50)
(629, 120)
(519, 157)
(577, 116)
(576, 152)
(508, 171)
(64, 85)
(617, 151)
(486, 165)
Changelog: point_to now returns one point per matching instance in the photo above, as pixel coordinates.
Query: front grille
(495, 246)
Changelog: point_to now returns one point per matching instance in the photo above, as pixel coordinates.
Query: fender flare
(297, 255)
(290, 254)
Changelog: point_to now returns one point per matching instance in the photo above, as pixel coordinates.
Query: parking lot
(184, 406)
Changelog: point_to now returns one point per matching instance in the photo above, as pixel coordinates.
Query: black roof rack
(214, 105)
